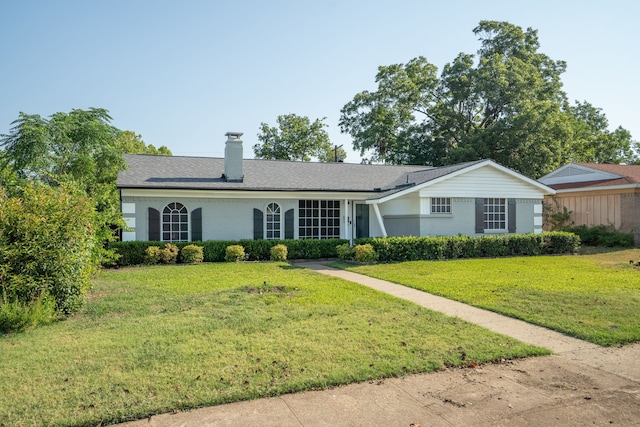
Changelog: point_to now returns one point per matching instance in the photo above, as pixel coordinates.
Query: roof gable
(479, 178)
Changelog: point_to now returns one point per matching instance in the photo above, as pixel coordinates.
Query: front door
(362, 220)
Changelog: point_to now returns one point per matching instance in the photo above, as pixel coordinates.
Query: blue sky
(184, 73)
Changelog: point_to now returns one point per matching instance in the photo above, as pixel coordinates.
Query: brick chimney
(233, 157)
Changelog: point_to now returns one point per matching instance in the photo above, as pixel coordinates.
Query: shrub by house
(48, 239)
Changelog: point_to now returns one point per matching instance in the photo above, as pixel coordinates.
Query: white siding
(408, 205)
(483, 182)
(460, 221)
(528, 220)
(129, 208)
(128, 236)
(129, 217)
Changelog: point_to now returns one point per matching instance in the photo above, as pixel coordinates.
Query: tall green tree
(131, 143)
(296, 138)
(386, 123)
(77, 148)
(505, 103)
(595, 142)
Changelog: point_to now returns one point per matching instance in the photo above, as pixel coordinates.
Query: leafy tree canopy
(505, 103)
(131, 143)
(594, 142)
(77, 148)
(296, 138)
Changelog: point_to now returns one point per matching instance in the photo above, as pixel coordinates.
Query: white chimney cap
(233, 134)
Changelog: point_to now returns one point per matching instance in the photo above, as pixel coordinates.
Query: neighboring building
(598, 194)
(197, 198)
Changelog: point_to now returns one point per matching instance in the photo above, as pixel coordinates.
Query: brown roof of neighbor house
(629, 174)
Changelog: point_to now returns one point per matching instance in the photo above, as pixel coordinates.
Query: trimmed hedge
(388, 248)
(452, 247)
(133, 253)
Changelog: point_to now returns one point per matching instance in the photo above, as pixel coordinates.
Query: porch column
(346, 234)
(379, 218)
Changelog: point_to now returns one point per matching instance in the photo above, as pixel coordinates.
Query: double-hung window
(495, 214)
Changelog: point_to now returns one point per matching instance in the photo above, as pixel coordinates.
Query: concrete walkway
(563, 345)
(582, 384)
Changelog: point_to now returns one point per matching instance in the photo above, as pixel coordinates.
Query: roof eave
(254, 189)
(598, 188)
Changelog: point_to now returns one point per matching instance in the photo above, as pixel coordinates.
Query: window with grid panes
(175, 223)
(440, 205)
(319, 219)
(273, 221)
(495, 214)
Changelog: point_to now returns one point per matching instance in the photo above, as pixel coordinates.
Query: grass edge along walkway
(595, 297)
(514, 328)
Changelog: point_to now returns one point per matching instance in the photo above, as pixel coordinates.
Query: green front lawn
(593, 297)
(155, 339)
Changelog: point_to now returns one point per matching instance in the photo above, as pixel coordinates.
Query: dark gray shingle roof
(205, 173)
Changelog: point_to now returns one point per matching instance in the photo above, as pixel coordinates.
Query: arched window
(175, 223)
(273, 221)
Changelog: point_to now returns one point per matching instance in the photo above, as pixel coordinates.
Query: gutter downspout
(121, 214)
(379, 218)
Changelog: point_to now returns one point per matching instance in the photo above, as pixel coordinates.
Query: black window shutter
(196, 225)
(479, 215)
(512, 216)
(258, 228)
(154, 225)
(288, 224)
